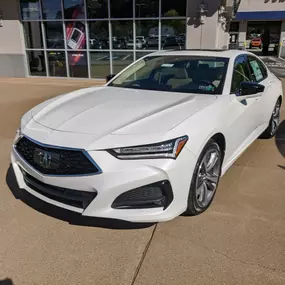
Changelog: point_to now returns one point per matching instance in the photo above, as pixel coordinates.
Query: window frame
(245, 56)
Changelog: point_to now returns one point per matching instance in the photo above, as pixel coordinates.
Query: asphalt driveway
(240, 240)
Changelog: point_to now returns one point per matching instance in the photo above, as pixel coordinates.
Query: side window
(241, 74)
(257, 69)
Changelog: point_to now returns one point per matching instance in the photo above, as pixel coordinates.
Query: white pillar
(242, 34)
(211, 34)
(282, 40)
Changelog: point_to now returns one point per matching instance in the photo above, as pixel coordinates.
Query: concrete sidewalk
(240, 240)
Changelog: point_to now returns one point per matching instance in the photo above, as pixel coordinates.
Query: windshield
(189, 74)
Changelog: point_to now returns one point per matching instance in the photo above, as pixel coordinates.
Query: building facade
(94, 38)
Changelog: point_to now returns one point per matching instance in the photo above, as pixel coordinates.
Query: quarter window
(241, 74)
(257, 69)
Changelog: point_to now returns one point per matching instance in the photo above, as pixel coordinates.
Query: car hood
(111, 110)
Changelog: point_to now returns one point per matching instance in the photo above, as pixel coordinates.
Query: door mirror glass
(250, 88)
(110, 76)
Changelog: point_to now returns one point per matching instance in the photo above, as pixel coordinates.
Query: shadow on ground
(65, 215)
(280, 140)
(6, 281)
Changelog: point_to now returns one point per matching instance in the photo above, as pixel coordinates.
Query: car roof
(201, 52)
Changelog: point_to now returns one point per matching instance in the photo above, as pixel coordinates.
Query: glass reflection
(121, 8)
(100, 64)
(56, 63)
(51, 9)
(36, 61)
(147, 34)
(97, 9)
(170, 8)
(173, 34)
(77, 62)
(33, 34)
(74, 9)
(148, 8)
(54, 35)
(98, 35)
(122, 34)
(30, 9)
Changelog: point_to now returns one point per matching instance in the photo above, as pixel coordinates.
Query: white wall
(11, 34)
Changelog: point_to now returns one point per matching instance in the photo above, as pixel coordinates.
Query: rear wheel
(205, 179)
(271, 130)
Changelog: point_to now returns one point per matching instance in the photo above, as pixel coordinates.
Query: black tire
(272, 128)
(194, 207)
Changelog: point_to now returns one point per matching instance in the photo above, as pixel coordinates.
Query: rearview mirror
(109, 77)
(250, 88)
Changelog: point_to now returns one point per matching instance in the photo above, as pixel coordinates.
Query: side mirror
(109, 77)
(250, 88)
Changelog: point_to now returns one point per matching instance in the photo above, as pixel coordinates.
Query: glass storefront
(93, 38)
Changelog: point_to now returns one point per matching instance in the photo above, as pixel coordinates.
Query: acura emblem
(46, 159)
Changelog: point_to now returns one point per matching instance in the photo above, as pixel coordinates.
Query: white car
(154, 141)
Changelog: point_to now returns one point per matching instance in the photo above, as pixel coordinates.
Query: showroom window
(94, 38)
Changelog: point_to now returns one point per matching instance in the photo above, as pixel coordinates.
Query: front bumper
(118, 177)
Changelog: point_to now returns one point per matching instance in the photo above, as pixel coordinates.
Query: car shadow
(6, 281)
(280, 141)
(72, 218)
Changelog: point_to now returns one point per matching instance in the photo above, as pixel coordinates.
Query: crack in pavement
(143, 256)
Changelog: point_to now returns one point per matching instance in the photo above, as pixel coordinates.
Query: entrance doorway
(263, 38)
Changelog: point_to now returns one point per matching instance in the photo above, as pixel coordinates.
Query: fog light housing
(156, 195)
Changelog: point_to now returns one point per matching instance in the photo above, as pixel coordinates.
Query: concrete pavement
(240, 240)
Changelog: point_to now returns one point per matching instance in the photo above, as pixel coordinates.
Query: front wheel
(205, 179)
(271, 130)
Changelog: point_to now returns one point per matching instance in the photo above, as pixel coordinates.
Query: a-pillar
(208, 35)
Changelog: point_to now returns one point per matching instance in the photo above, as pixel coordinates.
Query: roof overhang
(261, 10)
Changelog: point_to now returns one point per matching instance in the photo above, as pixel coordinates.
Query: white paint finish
(145, 120)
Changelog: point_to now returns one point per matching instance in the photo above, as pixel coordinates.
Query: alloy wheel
(208, 176)
(275, 118)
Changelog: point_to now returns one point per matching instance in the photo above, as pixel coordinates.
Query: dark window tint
(171, 8)
(122, 34)
(56, 63)
(51, 9)
(97, 9)
(121, 60)
(36, 61)
(147, 8)
(257, 69)
(75, 35)
(100, 64)
(241, 73)
(30, 10)
(54, 35)
(98, 35)
(74, 9)
(121, 8)
(77, 62)
(33, 34)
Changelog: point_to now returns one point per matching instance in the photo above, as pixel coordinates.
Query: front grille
(75, 198)
(55, 161)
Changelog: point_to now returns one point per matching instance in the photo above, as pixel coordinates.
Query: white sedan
(154, 141)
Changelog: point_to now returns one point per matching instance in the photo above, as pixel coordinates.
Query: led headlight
(167, 149)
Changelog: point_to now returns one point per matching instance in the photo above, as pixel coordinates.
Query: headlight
(167, 149)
